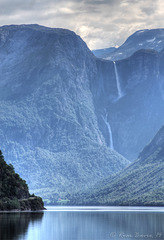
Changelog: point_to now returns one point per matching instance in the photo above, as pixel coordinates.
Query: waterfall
(161, 82)
(109, 131)
(120, 94)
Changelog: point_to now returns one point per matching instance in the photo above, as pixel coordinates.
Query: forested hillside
(142, 183)
(14, 193)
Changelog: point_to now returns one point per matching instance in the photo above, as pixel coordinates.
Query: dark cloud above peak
(101, 23)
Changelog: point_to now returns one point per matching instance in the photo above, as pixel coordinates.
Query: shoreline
(105, 208)
(22, 211)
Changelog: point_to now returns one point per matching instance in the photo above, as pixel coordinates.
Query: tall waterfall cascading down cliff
(120, 93)
(132, 96)
(105, 119)
(49, 127)
(53, 93)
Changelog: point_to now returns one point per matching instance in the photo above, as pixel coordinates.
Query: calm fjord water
(84, 223)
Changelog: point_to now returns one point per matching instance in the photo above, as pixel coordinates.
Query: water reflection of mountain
(137, 224)
(82, 225)
(13, 225)
(104, 225)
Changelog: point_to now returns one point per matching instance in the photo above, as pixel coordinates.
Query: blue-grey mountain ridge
(69, 119)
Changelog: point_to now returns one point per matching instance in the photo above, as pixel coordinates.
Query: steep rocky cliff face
(49, 127)
(66, 114)
(129, 94)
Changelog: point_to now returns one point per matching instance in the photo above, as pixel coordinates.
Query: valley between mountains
(70, 120)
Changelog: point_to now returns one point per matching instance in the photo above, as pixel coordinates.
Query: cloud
(101, 23)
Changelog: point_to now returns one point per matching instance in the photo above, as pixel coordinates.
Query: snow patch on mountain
(151, 40)
(143, 39)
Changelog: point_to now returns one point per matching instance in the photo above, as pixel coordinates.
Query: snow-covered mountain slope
(143, 39)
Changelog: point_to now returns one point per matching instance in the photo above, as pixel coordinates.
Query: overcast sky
(100, 23)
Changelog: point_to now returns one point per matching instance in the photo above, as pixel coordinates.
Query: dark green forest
(14, 192)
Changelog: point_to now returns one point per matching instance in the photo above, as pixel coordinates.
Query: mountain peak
(36, 27)
(146, 35)
(143, 39)
(46, 77)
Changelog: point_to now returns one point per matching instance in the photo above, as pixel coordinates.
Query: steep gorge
(67, 114)
(47, 113)
(137, 113)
